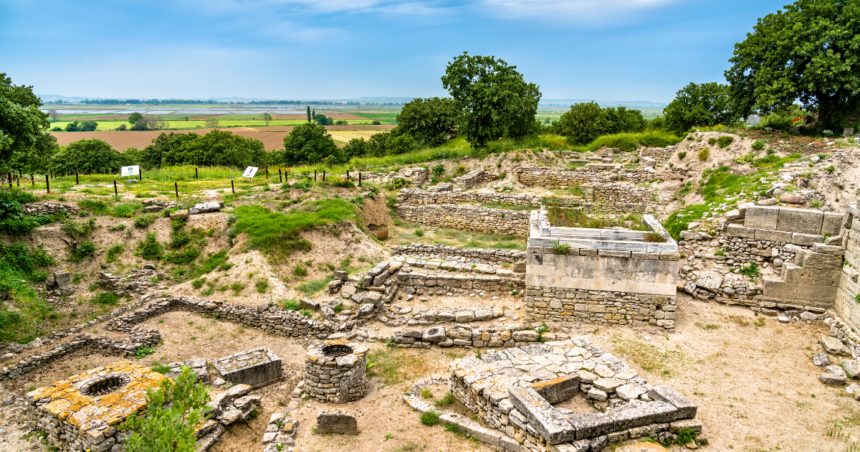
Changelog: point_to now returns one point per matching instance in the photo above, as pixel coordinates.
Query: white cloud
(579, 11)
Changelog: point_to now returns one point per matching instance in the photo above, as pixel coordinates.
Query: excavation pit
(335, 371)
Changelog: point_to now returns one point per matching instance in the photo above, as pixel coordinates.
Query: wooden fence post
(176, 187)
(280, 177)
(195, 174)
(32, 180)
(47, 183)
(347, 174)
(115, 191)
(267, 172)
(315, 175)
(232, 187)
(77, 180)
(323, 175)
(359, 178)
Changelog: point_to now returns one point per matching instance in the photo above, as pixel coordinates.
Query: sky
(611, 50)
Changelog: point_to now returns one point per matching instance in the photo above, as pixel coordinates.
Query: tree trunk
(825, 113)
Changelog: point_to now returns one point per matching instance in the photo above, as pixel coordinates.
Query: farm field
(272, 139)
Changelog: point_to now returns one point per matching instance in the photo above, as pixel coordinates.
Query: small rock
(832, 379)
(783, 319)
(820, 360)
(851, 367)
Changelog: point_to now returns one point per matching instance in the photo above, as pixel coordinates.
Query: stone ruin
(517, 391)
(83, 413)
(335, 371)
(257, 367)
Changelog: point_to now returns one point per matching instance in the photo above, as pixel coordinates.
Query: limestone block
(777, 288)
(800, 220)
(822, 261)
(761, 217)
(589, 425)
(545, 419)
(340, 422)
(736, 230)
(832, 223)
(686, 408)
(828, 249)
(817, 295)
(773, 236)
(659, 412)
(793, 274)
(806, 239)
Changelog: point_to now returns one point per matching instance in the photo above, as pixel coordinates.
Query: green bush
(438, 170)
(758, 145)
(183, 257)
(430, 418)
(144, 221)
(86, 250)
(681, 155)
(88, 156)
(419, 232)
(311, 143)
(125, 210)
(300, 270)
(114, 251)
(12, 218)
(704, 154)
(173, 413)
(725, 140)
(106, 298)
(149, 248)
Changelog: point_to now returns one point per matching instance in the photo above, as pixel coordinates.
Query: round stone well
(335, 371)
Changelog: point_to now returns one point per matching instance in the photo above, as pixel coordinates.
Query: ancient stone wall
(467, 218)
(422, 282)
(50, 208)
(661, 155)
(590, 174)
(469, 255)
(848, 292)
(474, 179)
(590, 306)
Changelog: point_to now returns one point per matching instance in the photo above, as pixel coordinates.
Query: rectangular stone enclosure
(257, 367)
(600, 275)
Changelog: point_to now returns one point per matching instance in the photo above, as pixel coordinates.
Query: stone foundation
(582, 305)
(257, 367)
(335, 371)
(468, 218)
(534, 176)
(474, 178)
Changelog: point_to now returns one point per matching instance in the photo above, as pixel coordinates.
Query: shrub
(704, 154)
(300, 270)
(712, 141)
(184, 256)
(438, 170)
(311, 143)
(561, 248)
(149, 248)
(86, 250)
(173, 412)
(419, 232)
(114, 251)
(262, 285)
(97, 207)
(291, 305)
(725, 140)
(758, 145)
(750, 270)
(653, 237)
(430, 418)
(144, 221)
(88, 156)
(681, 155)
(79, 229)
(125, 210)
(106, 298)
(749, 157)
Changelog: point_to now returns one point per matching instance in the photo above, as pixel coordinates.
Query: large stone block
(793, 274)
(773, 236)
(777, 288)
(820, 296)
(589, 425)
(800, 220)
(821, 261)
(736, 230)
(659, 412)
(798, 238)
(545, 419)
(832, 223)
(340, 422)
(761, 217)
(686, 408)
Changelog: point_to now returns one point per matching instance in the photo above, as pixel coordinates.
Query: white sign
(128, 171)
(250, 171)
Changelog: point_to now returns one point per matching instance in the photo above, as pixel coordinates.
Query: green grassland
(107, 125)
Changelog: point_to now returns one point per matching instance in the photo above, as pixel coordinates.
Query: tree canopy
(429, 121)
(810, 53)
(311, 143)
(493, 98)
(88, 156)
(216, 148)
(22, 126)
(705, 104)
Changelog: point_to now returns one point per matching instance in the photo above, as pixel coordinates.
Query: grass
(312, 287)
(430, 418)
(114, 251)
(278, 235)
(395, 365)
(648, 356)
(25, 315)
(631, 141)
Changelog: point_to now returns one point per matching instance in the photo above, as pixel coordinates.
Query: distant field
(200, 124)
(272, 139)
(347, 135)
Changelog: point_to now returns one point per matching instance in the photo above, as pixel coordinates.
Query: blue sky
(329, 49)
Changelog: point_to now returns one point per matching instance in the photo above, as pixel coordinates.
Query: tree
(266, 118)
(22, 126)
(173, 413)
(322, 120)
(211, 123)
(88, 156)
(311, 143)
(88, 126)
(216, 148)
(705, 105)
(310, 118)
(494, 99)
(583, 123)
(72, 126)
(620, 120)
(134, 117)
(810, 53)
(430, 121)
(356, 147)
(54, 114)
(165, 144)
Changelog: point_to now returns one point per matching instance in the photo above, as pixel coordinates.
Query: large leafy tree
(705, 104)
(493, 97)
(88, 156)
(165, 144)
(217, 148)
(22, 126)
(810, 53)
(311, 143)
(583, 122)
(430, 121)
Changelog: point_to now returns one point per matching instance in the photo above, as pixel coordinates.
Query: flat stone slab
(340, 422)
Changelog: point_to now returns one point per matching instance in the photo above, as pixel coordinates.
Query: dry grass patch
(648, 356)
(396, 365)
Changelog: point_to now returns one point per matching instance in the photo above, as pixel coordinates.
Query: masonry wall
(593, 174)
(846, 303)
(602, 286)
(468, 218)
(661, 155)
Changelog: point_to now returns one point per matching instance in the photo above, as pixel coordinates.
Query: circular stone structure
(335, 371)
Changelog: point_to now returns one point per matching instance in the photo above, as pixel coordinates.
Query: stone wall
(468, 218)
(591, 306)
(334, 379)
(421, 282)
(846, 304)
(469, 255)
(661, 155)
(50, 208)
(474, 179)
(591, 174)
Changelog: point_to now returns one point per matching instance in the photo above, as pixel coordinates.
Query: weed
(426, 394)
(237, 288)
(447, 399)
(725, 140)
(150, 248)
(143, 352)
(144, 221)
(681, 155)
(653, 237)
(86, 250)
(114, 251)
(419, 232)
(184, 256)
(300, 270)
(262, 285)
(106, 298)
(161, 368)
(291, 305)
(430, 418)
(312, 287)
(704, 154)
(751, 269)
(561, 248)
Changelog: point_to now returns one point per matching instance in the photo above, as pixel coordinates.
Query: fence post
(359, 178)
(232, 187)
(77, 180)
(139, 174)
(10, 179)
(32, 180)
(280, 177)
(315, 175)
(347, 174)
(323, 175)
(18, 181)
(115, 191)
(196, 177)
(267, 172)
(176, 187)
(47, 183)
